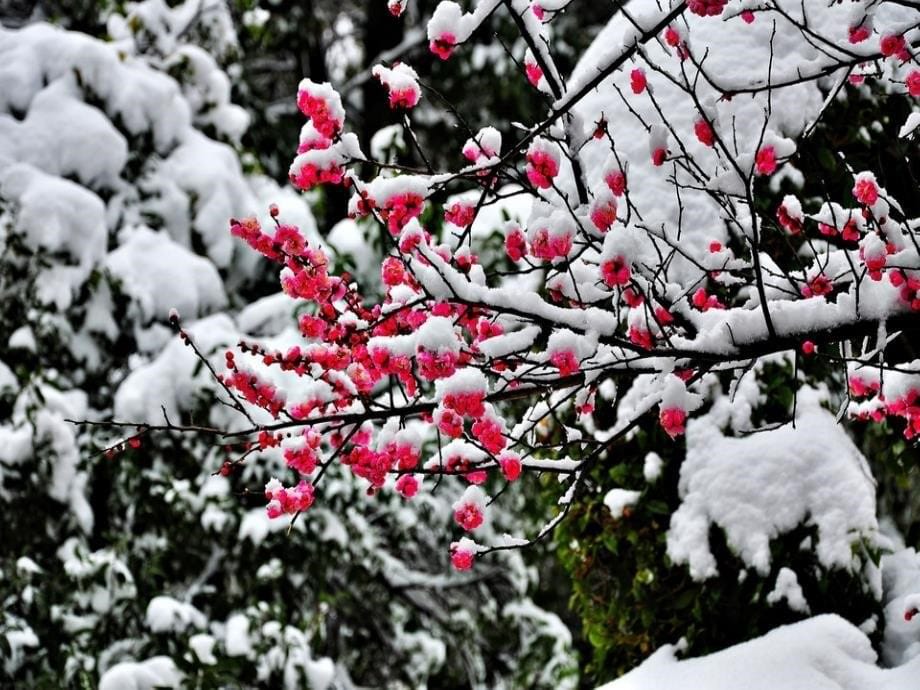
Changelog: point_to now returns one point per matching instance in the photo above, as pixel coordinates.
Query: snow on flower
(865, 189)
(532, 69)
(289, 501)
(485, 145)
(463, 392)
(446, 29)
(676, 402)
(542, 163)
(401, 82)
(603, 211)
(470, 508)
(463, 553)
(323, 105)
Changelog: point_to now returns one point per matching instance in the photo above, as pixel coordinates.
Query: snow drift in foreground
(820, 653)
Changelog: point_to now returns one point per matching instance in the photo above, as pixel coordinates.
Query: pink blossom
(511, 466)
(565, 361)
(468, 515)
(704, 132)
(467, 404)
(765, 162)
(615, 271)
(616, 181)
(515, 244)
(633, 298)
(537, 10)
(301, 459)
(672, 420)
(550, 246)
(603, 214)
(309, 175)
(808, 348)
(703, 301)
(461, 558)
(672, 37)
(542, 167)
(291, 241)
(659, 155)
(706, 8)
(791, 223)
(865, 190)
(407, 486)
(641, 337)
(443, 46)
(449, 422)
(489, 433)
(404, 98)
(293, 500)
(436, 365)
(400, 209)
(392, 271)
(663, 316)
(460, 214)
(534, 73)
(894, 45)
(858, 34)
(851, 231)
(819, 286)
(325, 115)
(747, 16)
(913, 83)
(637, 80)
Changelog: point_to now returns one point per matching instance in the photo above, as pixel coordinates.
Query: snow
(202, 645)
(618, 500)
(157, 672)
(161, 275)
(503, 345)
(651, 469)
(56, 215)
(165, 614)
(170, 380)
(821, 653)
(466, 380)
(236, 635)
(788, 588)
(19, 642)
(759, 486)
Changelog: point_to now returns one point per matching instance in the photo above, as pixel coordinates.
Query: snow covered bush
(140, 565)
(656, 277)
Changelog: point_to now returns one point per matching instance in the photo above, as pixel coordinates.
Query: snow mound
(158, 672)
(161, 275)
(760, 486)
(820, 653)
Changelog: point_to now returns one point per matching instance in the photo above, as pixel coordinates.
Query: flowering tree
(611, 279)
(652, 282)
